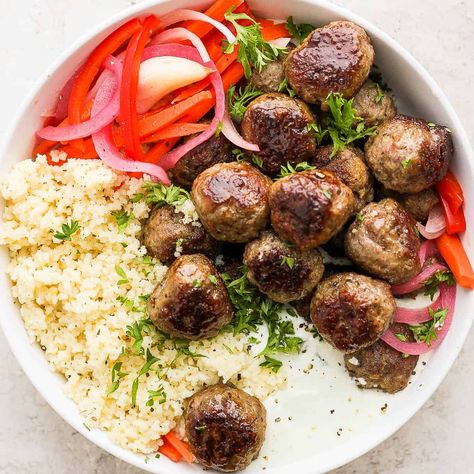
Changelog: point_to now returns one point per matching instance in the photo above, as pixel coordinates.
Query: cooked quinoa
(73, 305)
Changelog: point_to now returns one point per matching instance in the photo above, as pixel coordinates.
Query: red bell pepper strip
(455, 221)
(180, 446)
(129, 87)
(170, 451)
(451, 191)
(451, 249)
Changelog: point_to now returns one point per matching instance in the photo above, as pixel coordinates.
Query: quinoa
(73, 306)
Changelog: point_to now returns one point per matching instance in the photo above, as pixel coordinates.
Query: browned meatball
(380, 366)
(225, 427)
(418, 204)
(282, 272)
(278, 125)
(373, 105)
(216, 149)
(352, 311)
(164, 234)
(231, 200)
(309, 208)
(349, 166)
(269, 78)
(409, 155)
(383, 241)
(334, 58)
(192, 301)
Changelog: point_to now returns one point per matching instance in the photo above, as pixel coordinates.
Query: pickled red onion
(416, 315)
(447, 300)
(231, 133)
(417, 282)
(178, 34)
(183, 14)
(435, 225)
(103, 141)
(428, 249)
(280, 42)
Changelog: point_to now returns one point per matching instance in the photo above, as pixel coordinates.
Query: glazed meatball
(164, 234)
(278, 125)
(216, 149)
(282, 272)
(409, 155)
(269, 78)
(352, 311)
(225, 427)
(334, 58)
(373, 105)
(231, 200)
(191, 302)
(383, 241)
(309, 208)
(380, 366)
(349, 166)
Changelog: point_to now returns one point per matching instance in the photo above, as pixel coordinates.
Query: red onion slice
(435, 225)
(428, 249)
(280, 42)
(62, 104)
(416, 315)
(103, 141)
(177, 16)
(447, 300)
(417, 282)
(179, 34)
(231, 133)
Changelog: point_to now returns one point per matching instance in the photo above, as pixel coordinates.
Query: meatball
(164, 233)
(380, 366)
(309, 208)
(225, 427)
(278, 124)
(231, 200)
(216, 149)
(192, 301)
(352, 311)
(373, 105)
(334, 58)
(409, 155)
(383, 241)
(269, 78)
(282, 272)
(349, 166)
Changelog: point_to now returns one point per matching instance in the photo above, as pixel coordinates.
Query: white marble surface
(439, 439)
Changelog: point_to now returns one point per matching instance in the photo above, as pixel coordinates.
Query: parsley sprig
(117, 375)
(160, 194)
(253, 49)
(67, 230)
(427, 332)
(285, 88)
(290, 169)
(122, 218)
(432, 284)
(239, 99)
(298, 32)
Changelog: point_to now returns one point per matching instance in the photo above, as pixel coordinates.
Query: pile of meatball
(362, 203)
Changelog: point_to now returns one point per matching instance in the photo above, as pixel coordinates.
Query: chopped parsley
(273, 364)
(123, 276)
(380, 93)
(218, 131)
(67, 230)
(160, 194)
(288, 261)
(200, 428)
(327, 194)
(136, 331)
(253, 49)
(285, 88)
(117, 375)
(213, 279)
(240, 155)
(360, 217)
(122, 218)
(318, 131)
(432, 284)
(405, 163)
(239, 100)
(401, 337)
(426, 332)
(158, 394)
(298, 32)
(290, 169)
(197, 283)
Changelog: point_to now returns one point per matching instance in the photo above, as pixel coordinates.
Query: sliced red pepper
(452, 250)
(129, 87)
(168, 450)
(451, 191)
(455, 221)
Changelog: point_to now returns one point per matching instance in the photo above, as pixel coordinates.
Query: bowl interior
(311, 441)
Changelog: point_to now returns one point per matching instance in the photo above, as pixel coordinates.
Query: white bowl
(304, 446)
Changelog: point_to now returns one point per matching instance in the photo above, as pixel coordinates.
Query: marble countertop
(34, 440)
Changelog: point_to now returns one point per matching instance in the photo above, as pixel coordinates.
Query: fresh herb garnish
(67, 230)
(136, 332)
(200, 428)
(318, 131)
(327, 194)
(401, 337)
(288, 261)
(380, 93)
(160, 194)
(122, 218)
(127, 303)
(298, 32)
(360, 217)
(405, 163)
(253, 49)
(432, 284)
(426, 332)
(159, 394)
(197, 283)
(290, 169)
(376, 76)
(285, 88)
(213, 279)
(273, 364)
(240, 155)
(218, 131)
(117, 375)
(121, 273)
(239, 100)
